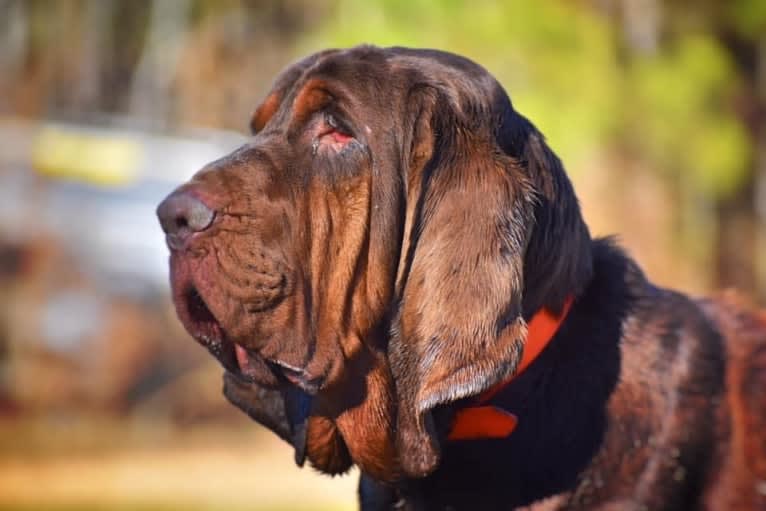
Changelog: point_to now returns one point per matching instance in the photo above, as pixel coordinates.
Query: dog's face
(277, 272)
(372, 253)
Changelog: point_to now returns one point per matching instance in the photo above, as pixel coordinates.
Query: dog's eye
(332, 121)
(334, 133)
(338, 131)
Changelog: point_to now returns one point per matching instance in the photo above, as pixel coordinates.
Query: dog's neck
(560, 402)
(482, 420)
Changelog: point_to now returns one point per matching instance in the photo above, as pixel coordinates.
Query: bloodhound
(395, 274)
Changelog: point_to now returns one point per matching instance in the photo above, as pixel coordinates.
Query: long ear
(558, 262)
(471, 224)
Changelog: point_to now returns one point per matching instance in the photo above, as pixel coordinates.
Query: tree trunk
(741, 243)
(150, 90)
(735, 257)
(760, 169)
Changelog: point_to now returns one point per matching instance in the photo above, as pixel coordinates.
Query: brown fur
(378, 249)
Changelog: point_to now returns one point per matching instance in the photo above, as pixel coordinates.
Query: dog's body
(368, 266)
(645, 399)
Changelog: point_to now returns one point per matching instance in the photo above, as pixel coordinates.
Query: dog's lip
(237, 359)
(209, 332)
(298, 377)
(199, 320)
(243, 362)
(292, 374)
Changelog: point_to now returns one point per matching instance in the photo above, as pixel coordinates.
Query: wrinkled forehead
(353, 77)
(373, 80)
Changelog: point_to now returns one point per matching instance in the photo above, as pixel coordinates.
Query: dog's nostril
(182, 214)
(181, 222)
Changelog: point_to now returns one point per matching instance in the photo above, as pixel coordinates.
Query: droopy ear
(265, 111)
(558, 262)
(493, 231)
(459, 327)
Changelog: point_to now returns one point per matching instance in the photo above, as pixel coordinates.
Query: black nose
(182, 214)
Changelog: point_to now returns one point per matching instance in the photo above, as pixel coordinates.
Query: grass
(163, 506)
(100, 465)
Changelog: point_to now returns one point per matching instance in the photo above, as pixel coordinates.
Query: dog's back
(737, 477)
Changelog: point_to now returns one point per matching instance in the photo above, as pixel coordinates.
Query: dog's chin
(264, 405)
(210, 331)
(262, 389)
(203, 313)
(285, 410)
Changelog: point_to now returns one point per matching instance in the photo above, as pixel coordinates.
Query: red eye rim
(339, 137)
(333, 134)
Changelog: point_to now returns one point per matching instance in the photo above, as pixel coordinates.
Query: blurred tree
(696, 91)
(77, 58)
(740, 26)
(125, 32)
(671, 84)
(156, 69)
(555, 58)
(669, 88)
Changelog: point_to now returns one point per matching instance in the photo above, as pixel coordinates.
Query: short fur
(378, 249)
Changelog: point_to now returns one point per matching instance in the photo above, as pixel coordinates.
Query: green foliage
(554, 58)
(680, 116)
(565, 64)
(558, 60)
(748, 16)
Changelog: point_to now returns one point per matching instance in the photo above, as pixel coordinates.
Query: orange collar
(487, 421)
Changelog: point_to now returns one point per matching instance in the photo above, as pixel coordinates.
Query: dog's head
(372, 254)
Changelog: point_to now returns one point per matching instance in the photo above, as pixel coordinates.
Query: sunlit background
(658, 110)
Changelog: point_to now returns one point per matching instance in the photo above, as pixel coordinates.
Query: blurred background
(657, 108)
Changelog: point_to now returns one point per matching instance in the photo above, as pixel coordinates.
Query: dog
(395, 274)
